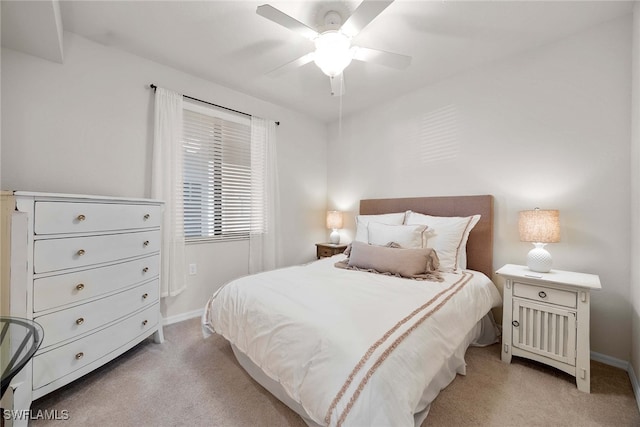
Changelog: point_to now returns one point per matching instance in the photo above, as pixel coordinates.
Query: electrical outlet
(193, 269)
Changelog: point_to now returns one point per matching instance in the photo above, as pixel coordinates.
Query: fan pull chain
(340, 110)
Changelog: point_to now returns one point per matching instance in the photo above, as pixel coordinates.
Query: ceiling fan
(334, 50)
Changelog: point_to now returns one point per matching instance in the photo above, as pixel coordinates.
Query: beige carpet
(190, 381)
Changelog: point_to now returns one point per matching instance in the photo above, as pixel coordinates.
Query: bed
(345, 346)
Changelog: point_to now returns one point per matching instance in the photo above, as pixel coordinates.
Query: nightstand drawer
(544, 294)
(325, 252)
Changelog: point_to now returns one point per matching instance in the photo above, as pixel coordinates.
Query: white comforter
(353, 348)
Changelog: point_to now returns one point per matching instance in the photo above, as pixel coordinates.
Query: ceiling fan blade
(363, 15)
(337, 85)
(289, 66)
(273, 14)
(393, 60)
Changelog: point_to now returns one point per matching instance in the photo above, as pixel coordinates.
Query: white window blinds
(217, 174)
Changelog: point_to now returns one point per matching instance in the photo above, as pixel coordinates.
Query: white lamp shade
(539, 226)
(334, 220)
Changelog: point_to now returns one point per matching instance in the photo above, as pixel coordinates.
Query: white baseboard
(183, 316)
(622, 364)
(611, 361)
(634, 384)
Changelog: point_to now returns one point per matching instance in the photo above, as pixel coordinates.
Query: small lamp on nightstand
(539, 227)
(334, 222)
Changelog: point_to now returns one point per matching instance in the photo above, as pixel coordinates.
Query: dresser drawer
(60, 254)
(63, 289)
(55, 364)
(66, 324)
(544, 294)
(76, 217)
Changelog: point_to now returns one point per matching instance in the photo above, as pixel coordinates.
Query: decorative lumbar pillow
(407, 236)
(449, 239)
(362, 222)
(412, 263)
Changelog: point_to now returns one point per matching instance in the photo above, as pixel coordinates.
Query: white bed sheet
(350, 347)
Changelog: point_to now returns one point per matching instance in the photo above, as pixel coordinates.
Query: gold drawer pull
(80, 286)
(145, 243)
(144, 322)
(80, 321)
(80, 252)
(81, 217)
(145, 295)
(79, 355)
(146, 269)
(146, 216)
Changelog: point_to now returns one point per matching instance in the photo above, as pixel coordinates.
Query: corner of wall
(634, 384)
(635, 197)
(625, 366)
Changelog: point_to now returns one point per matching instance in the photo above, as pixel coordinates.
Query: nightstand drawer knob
(542, 294)
(79, 355)
(515, 323)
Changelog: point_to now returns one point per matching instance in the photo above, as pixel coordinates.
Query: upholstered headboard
(480, 243)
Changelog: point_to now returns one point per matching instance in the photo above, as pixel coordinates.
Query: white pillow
(449, 239)
(362, 234)
(407, 236)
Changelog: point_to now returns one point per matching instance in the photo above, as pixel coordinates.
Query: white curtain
(263, 241)
(166, 184)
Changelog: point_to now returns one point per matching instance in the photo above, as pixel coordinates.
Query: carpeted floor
(190, 381)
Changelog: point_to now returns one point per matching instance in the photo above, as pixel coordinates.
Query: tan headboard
(480, 243)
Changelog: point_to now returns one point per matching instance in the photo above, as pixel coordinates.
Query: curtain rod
(154, 87)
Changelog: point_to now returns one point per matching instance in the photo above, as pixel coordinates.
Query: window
(216, 174)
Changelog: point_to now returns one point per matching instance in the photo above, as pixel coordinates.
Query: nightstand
(329, 249)
(546, 318)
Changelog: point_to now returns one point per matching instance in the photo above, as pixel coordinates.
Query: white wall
(86, 127)
(635, 195)
(546, 128)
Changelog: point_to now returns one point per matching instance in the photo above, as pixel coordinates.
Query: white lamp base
(539, 259)
(334, 237)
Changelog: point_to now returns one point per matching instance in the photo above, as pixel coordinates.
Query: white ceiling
(228, 43)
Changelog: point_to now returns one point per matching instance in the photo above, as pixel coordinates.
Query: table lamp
(539, 227)
(334, 222)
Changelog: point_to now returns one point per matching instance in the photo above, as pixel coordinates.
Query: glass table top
(19, 340)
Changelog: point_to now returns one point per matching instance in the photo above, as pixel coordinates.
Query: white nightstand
(546, 318)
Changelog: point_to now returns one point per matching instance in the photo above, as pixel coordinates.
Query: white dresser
(87, 269)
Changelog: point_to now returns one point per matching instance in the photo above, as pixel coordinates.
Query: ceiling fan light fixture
(333, 52)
